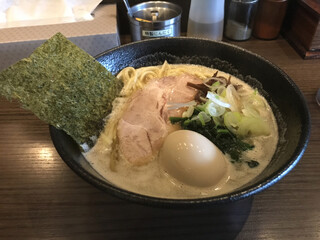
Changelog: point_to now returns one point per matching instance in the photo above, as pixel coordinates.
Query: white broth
(151, 179)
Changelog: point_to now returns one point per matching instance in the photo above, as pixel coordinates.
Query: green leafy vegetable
(221, 136)
(64, 86)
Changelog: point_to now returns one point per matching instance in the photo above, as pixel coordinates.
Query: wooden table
(41, 198)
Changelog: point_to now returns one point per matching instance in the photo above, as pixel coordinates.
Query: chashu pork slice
(145, 123)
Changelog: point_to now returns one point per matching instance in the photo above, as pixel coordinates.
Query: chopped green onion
(253, 126)
(216, 84)
(214, 109)
(188, 112)
(215, 98)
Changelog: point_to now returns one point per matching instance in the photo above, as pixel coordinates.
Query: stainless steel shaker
(239, 18)
(155, 19)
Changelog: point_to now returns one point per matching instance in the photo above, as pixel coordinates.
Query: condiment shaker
(239, 18)
(153, 19)
(270, 15)
(206, 19)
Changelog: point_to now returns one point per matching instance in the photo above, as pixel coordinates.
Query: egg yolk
(193, 159)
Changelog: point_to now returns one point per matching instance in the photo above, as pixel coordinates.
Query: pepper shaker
(239, 19)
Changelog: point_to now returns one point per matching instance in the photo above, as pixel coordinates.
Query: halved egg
(193, 159)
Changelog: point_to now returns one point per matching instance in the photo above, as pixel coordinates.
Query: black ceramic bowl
(281, 92)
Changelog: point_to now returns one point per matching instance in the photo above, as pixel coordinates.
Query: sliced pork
(145, 123)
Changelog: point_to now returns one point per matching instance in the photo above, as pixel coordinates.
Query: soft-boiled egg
(193, 159)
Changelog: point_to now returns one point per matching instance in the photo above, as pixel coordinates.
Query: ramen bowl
(280, 91)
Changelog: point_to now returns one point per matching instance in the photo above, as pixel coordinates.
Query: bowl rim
(194, 202)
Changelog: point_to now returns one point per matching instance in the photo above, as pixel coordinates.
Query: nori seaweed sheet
(63, 86)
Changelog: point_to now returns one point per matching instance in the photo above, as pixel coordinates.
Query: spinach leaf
(225, 140)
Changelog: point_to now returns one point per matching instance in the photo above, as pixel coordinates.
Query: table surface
(41, 198)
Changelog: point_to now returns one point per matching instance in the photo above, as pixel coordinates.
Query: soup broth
(151, 179)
